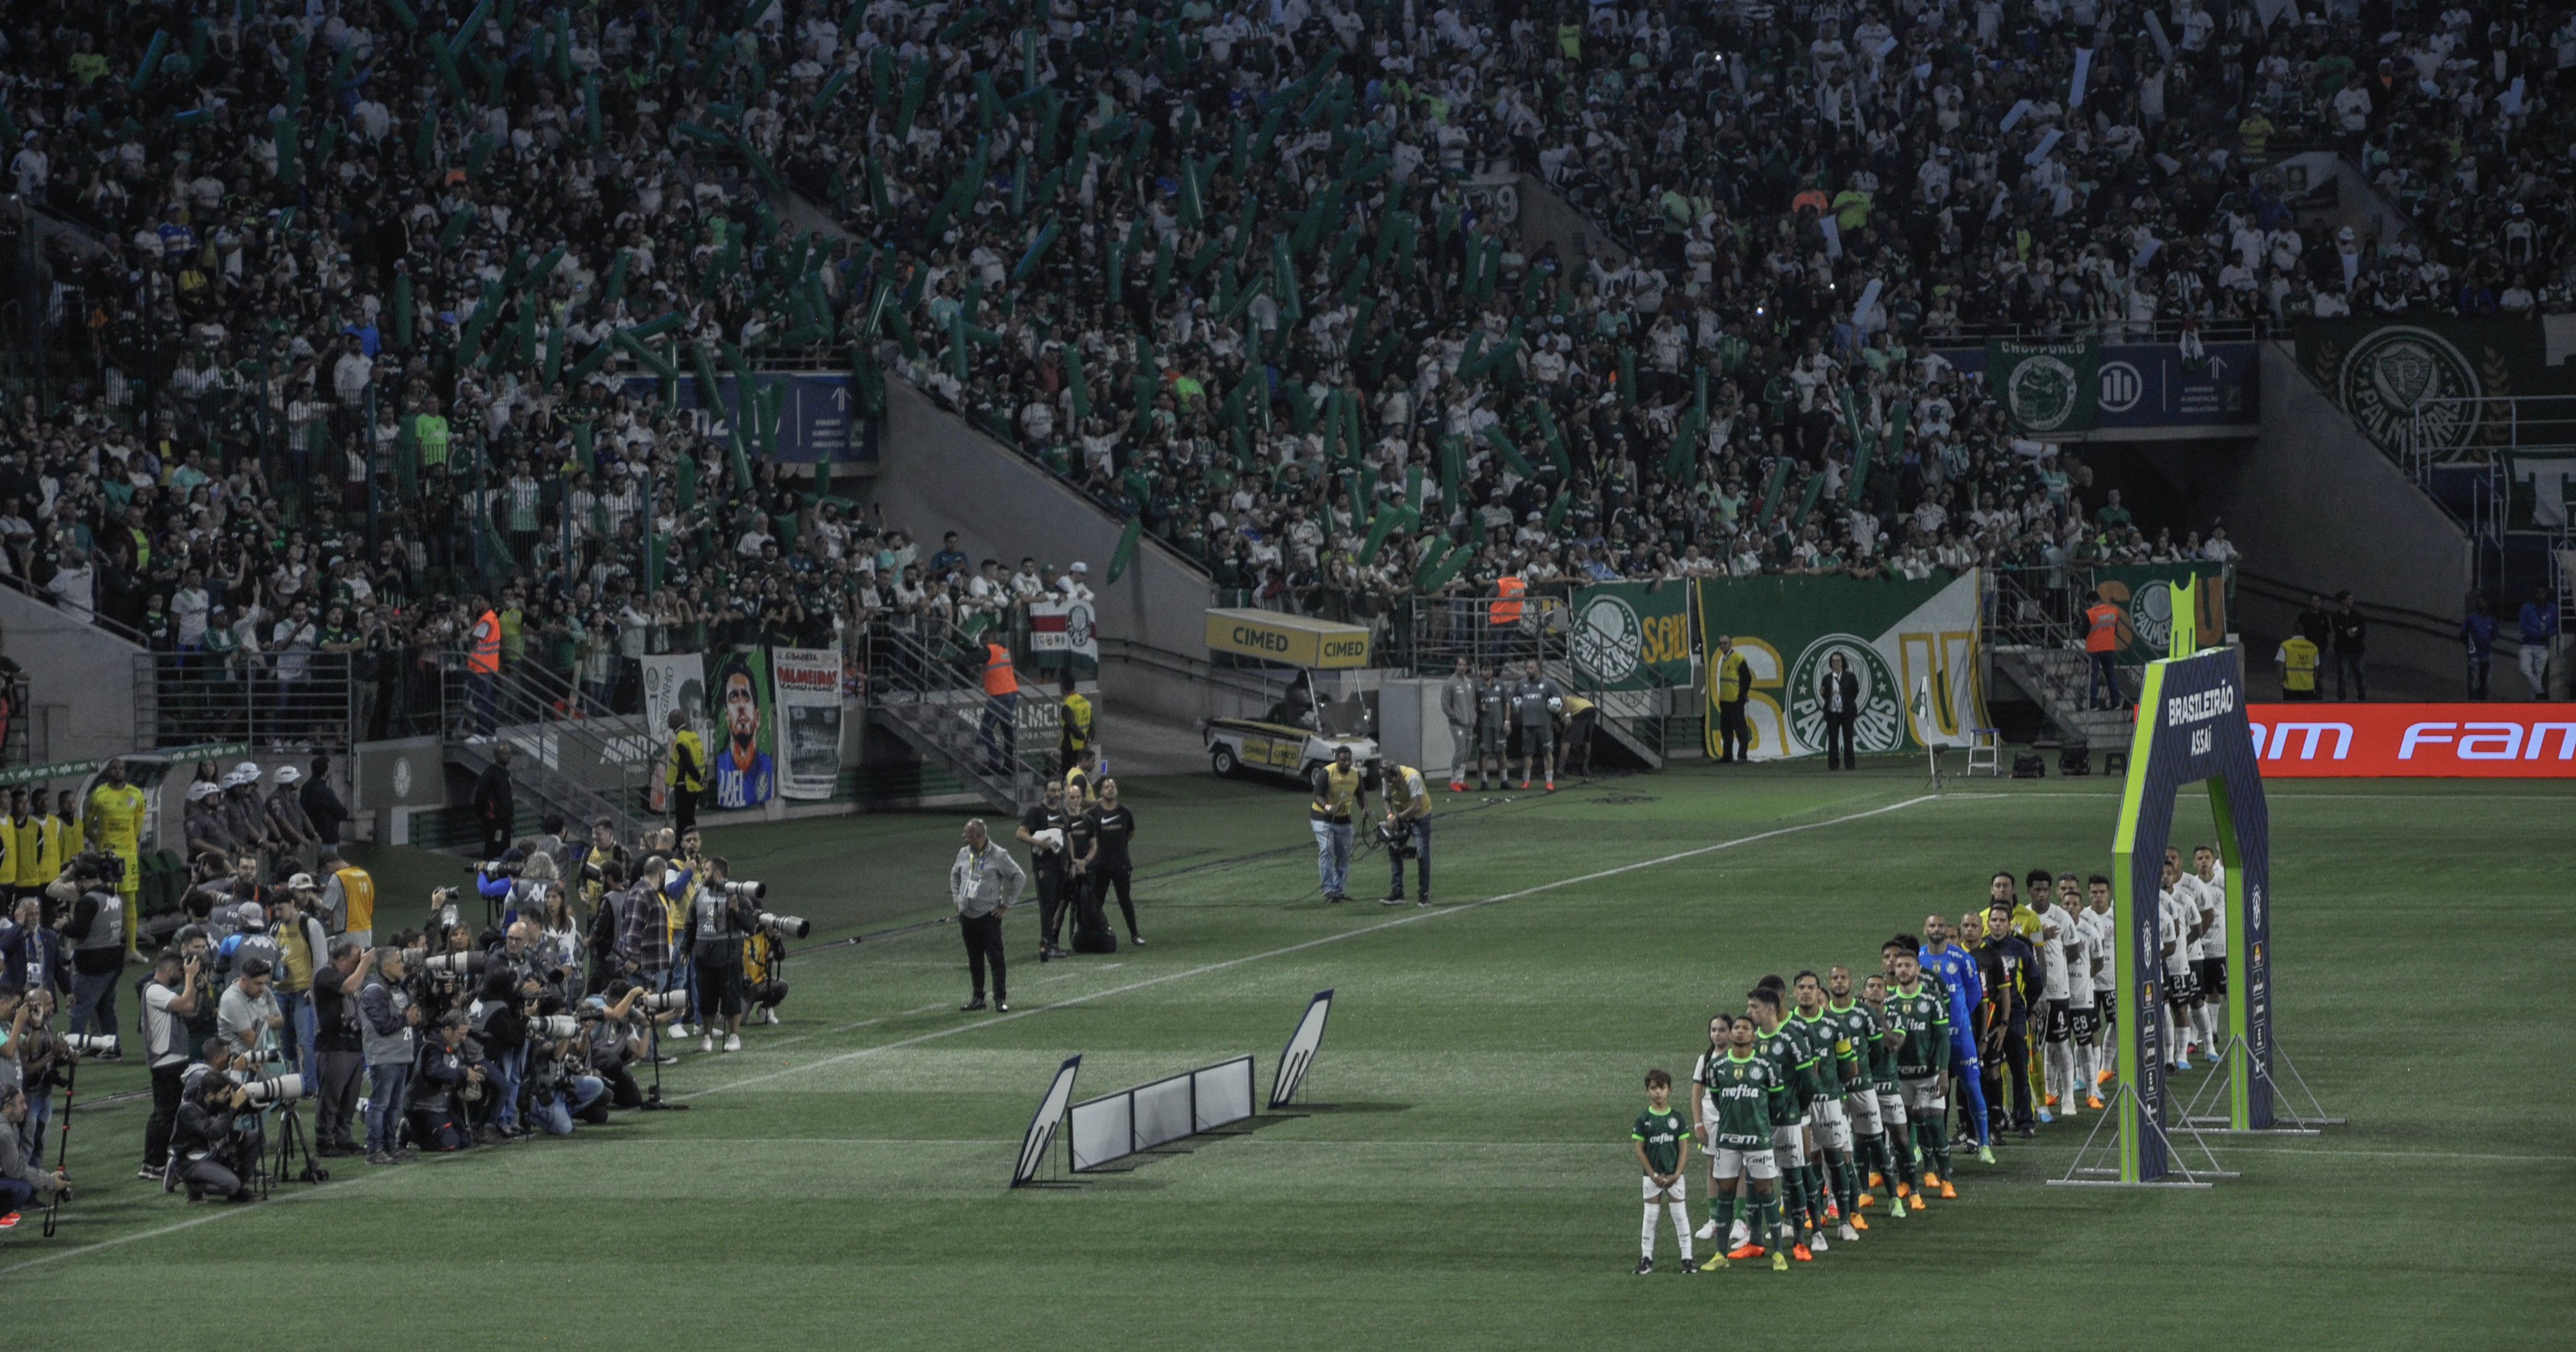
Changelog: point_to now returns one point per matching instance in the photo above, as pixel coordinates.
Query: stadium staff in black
(1838, 694)
(1734, 685)
(1047, 860)
(983, 884)
(1112, 827)
(495, 806)
(2010, 970)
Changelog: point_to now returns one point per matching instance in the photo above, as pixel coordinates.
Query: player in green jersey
(1830, 1171)
(1788, 1140)
(1744, 1100)
(1663, 1142)
(1855, 1040)
(1922, 1010)
(1895, 1151)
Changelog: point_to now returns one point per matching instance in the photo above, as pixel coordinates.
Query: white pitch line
(220, 1211)
(1417, 916)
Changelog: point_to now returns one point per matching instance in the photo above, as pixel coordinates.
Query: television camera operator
(87, 888)
(1405, 831)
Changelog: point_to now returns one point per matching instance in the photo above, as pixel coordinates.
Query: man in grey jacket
(386, 1020)
(21, 1184)
(1458, 705)
(984, 883)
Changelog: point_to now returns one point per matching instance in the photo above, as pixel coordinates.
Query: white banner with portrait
(807, 705)
(671, 681)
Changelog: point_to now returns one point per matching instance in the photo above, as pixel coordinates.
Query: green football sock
(1766, 1220)
(1721, 1213)
(1815, 1170)
(1790, 1206)
(1846, 1185)
(1937, 1145)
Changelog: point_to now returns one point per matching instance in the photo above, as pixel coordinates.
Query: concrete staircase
(2056, 678)
(932, 706)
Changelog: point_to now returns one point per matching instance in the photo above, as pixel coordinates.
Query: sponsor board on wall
(2414, 741)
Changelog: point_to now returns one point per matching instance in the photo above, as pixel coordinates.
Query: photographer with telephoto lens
(248, 1016)
(214, 1155)
(389, 1015)
(441, 1081)
(170, 999)
(560, 1087)
(618, 1034)
(723, 915)
(339, 1046)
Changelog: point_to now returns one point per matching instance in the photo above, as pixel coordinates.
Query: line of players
(1817, 1082)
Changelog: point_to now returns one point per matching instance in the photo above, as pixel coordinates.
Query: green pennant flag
(1511, 454)
(1125, 554)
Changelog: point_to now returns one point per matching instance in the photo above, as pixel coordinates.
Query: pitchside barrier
(1114, 1126)
(2191, 728)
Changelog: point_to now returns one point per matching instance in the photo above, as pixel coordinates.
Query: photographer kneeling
(442, 1080)
(1406, 830)
(559, 1083)
(212, 1152)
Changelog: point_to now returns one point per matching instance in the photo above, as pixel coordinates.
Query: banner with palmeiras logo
(2046, 387)
(1911, 648)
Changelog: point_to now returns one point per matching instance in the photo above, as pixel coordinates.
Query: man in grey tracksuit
(1458, 705)
(984, 883)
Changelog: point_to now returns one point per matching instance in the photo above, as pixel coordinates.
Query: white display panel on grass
(1114, 1126)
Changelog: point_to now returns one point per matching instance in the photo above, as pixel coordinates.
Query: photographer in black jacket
(212, 1153)
(719, 922)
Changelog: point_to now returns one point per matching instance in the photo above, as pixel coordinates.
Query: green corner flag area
(1460, 1169)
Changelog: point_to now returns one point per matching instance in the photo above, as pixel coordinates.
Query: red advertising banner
(2414, 741)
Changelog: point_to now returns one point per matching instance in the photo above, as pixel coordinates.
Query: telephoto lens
(275, 1089)
(658, 1002)
(747, 888)
(450, 964)
(786, 926)
(555, 1027)
(90, 1044)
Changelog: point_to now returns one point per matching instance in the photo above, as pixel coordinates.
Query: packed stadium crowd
(1832, 1092)
(530, 1000)
(403, 288)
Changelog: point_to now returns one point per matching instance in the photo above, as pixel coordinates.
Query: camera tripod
(63, 1143)
(653, 1101)
(292, 1141)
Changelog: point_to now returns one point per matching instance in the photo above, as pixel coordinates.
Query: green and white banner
(1912, 644)
(2144, 594)
(2046, 387)
(1632, 635)
(2542, 489)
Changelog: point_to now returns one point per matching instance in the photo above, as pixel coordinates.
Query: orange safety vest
(2103, 635)
(999, 679)
(1507, 602)
(485, 659)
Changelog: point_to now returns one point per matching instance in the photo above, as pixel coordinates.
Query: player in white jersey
(2212, 877)
(2056, 940)
(2178, 927)
(2208, 907)
(2101, 961)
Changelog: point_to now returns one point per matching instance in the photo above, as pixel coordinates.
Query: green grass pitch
(1463, 1177)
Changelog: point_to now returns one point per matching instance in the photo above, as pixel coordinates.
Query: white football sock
(1646, 1241)
(1681, 1226)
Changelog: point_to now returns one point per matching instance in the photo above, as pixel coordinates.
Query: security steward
(1001, 708)
(1340, 793)
(1503, 614)
(1112, 827)
(1408, 815)
(1079, 776)
(1047, 865)
(1082, 897)
(687, 774)
(2296, 664)
(1072, 722)
(1734, 685)
(2101, 642)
